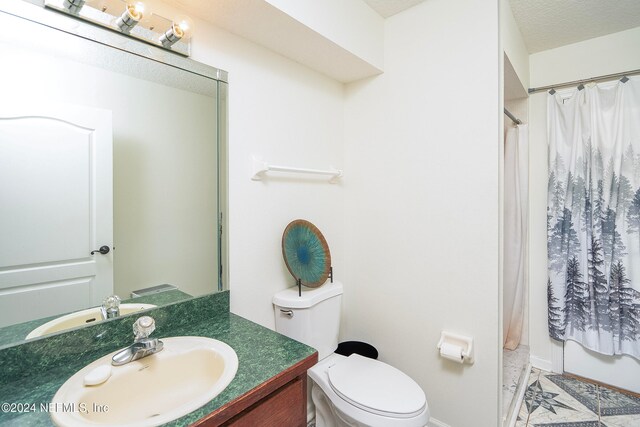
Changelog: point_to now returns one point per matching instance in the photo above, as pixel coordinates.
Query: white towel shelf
(260, 168)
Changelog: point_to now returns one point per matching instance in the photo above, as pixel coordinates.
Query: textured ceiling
(386, 8)
(547, 24)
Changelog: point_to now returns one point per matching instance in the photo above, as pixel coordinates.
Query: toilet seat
(376, 387)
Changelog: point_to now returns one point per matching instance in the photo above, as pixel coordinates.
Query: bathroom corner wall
(289, 115)
(422, 204)
(513, 44)
(609, 54)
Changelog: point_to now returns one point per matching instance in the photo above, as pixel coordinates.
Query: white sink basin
(80, 318)
(186, 374)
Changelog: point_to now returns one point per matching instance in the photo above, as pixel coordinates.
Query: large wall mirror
(112, 174)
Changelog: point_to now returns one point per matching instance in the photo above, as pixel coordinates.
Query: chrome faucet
(110, 307)
(142, 346)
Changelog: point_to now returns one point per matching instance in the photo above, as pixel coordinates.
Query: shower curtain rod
(513, 118)
(580, 82)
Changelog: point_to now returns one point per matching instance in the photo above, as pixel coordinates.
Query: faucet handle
(110, 307)
(143, 327)
(111, 302)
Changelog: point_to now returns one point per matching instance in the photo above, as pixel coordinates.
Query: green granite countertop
(14, 333)
(32, 372)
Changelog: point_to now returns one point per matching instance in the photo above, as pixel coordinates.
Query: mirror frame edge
(223, 184)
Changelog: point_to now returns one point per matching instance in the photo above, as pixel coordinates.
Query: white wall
(339, 38)
(421, 200)
(289, 115)
(513, 43)
(351, 24)
(603, 55)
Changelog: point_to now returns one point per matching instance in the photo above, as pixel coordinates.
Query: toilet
(346, 390)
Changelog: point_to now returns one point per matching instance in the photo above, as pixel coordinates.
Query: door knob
(103, 250)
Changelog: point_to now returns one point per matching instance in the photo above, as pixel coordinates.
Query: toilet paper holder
(456, 347)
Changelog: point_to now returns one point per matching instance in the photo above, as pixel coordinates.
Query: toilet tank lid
(310, 296)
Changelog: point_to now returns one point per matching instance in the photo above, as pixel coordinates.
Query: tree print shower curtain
(593, 217)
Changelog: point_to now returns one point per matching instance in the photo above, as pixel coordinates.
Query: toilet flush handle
(287, 312)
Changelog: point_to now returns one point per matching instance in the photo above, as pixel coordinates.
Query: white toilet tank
(313, 318)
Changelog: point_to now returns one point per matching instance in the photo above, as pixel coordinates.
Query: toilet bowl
(346, 391)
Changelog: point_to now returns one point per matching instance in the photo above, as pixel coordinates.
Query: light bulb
(132, 14)
(181, 28)
(136, 10)
(183, 25)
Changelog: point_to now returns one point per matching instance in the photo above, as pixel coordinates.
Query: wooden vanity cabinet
(280, 401)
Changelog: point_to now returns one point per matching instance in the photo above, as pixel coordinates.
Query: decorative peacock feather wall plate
(306, 253)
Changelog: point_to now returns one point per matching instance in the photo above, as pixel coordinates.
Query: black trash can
(347, 348)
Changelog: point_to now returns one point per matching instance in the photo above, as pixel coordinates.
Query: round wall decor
(306, 253)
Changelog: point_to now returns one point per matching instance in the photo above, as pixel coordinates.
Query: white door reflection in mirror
(56, 206)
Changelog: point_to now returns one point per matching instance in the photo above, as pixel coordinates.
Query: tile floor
(553, 400)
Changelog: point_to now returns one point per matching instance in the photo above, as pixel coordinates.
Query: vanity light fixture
(131, 18)
(132, 14)
(180, 29)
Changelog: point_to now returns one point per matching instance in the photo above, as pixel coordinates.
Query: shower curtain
(516, 172)
(593, 217)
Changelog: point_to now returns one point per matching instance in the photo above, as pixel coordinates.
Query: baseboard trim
(557, 357)
(436, 423)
